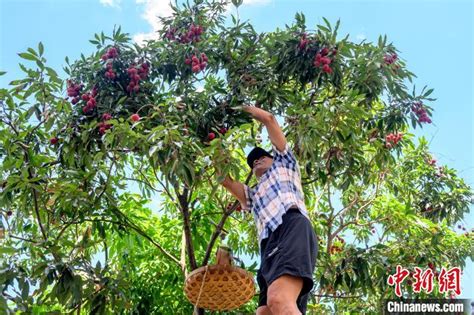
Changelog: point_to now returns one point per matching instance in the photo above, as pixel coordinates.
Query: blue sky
(434, 37)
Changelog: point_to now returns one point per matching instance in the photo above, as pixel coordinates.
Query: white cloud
(155, 8)
(111, 3)
(152, 10)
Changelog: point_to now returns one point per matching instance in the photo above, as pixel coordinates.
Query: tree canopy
(162, 117)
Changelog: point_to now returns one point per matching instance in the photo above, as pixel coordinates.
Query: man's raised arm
(236, 189)
(274, 131)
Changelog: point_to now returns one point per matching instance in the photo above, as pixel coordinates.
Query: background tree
(161, 116)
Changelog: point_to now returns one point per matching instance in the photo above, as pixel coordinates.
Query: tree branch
(35, 195)
(182, 198)
(24, 239)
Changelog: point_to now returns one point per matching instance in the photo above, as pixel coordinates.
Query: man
(288, 244)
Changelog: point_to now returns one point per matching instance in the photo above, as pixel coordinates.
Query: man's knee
(282, 295)
(263, 310)
(279, 304)
(276, 301)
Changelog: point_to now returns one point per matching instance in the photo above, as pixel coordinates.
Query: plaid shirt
(277, 190)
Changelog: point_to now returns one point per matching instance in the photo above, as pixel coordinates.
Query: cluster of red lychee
(322, 60)
(192, 35)
(103, 125)
(430, 161)
(110, 73)
(135, 75)
(89, 98)
(336, 248)
(73, 90)
(420, 112)
(392, 139)
(197, 64)
(111, 53)
(212, 135)
(390, 58)
(303, 42)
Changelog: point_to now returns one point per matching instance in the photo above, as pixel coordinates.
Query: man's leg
(263, 310)
(282, 295)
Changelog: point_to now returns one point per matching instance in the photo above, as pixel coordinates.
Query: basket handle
(223, 256)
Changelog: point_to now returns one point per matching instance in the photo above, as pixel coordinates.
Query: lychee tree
(83, 155)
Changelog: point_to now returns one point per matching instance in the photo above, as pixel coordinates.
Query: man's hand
(259, 114)
(274, 131)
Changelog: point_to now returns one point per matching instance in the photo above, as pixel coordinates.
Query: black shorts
(291, 249)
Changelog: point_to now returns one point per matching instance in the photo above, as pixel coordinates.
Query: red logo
(423, 280)
(397, 279)
(448, 280)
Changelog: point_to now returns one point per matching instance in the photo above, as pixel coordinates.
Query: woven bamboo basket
(219, 287)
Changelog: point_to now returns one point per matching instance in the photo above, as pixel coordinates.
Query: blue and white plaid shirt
(277, 190)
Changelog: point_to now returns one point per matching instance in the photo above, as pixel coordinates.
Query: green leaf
(40, 64)
(327, 24)
(28, 56)
(7, 250)
(32, 51)
(323, 28)
(2, 73)
(25, 290)
(40, 48)
(237, 3)
(428, 92)
(51, 72)
(153, 150)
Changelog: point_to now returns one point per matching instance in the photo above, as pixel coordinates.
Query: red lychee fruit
(53, 140)
(106, 116)
(327, 69)
(135, 117)
(326, 60)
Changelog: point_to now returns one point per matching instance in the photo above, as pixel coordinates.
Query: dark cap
(255, 154)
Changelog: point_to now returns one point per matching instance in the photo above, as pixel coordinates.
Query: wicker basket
(220, 287)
